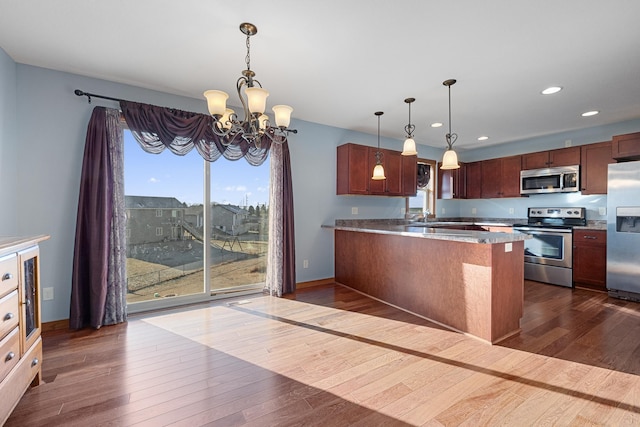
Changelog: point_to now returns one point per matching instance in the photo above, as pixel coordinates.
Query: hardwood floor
(330, 356)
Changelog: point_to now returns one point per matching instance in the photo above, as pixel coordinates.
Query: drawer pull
(7, 276)
(8, 316)
(34, 362)
(10, 356)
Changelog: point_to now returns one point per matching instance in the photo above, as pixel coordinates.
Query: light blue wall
(501, 208)
(42, 142)
(50, 134)
(8, 145)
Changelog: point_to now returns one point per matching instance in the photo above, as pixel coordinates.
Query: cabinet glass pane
(30, 295)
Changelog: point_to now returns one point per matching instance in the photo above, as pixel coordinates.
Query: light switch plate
(354, 211)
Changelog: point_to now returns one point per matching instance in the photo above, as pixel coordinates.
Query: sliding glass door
(179, 252)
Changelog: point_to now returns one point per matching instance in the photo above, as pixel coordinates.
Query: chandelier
(450, 158)
(255, 124)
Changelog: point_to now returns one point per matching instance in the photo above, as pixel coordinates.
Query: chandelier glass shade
(256, 124)
(409, 147)
(378, 169)
(450, 158)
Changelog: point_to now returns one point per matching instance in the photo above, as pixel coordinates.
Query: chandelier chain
(247, 59)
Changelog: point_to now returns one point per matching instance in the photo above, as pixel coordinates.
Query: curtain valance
(156, 128)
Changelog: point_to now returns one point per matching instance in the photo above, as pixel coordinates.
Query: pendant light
(378, 170)
(409, 147)
(450, 158)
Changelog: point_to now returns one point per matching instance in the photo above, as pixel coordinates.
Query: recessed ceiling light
(552, 89)
(436, 125)
(590, 113)
(483, 138)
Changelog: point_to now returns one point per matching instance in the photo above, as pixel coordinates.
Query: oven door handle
(542, 230)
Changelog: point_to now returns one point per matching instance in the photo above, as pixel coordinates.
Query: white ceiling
(338, 61)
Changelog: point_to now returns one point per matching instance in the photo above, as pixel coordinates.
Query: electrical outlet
(443, 211)
(474, 211)
(402, 211)
(354, 211)
(305, 263)
(511, 211)
(47, 294)
(567, 143)
(602, 211)
(508, 247)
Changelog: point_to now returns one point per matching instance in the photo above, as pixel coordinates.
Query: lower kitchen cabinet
(590, 259)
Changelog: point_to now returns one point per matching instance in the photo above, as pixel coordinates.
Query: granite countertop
(414, 229)
(593, 225)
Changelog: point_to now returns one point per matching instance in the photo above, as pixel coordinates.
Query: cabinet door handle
(10, 356)
(590, 237)
(8, 316)
(7, 276)
(35, 362)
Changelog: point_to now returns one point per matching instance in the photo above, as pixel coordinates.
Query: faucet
(425, 215)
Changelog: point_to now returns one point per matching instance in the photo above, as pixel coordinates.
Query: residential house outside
(229, 219)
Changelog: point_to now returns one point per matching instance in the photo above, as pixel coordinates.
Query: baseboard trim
(321, 282)
(63, 324)
(56, 325)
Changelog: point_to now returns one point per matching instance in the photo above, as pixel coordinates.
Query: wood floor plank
(327, 355)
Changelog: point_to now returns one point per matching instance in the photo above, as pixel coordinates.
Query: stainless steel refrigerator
(623, 231)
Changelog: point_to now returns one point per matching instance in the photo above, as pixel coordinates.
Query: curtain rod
(89, 95)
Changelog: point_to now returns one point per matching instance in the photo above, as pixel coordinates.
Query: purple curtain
(281, 273)
(156, 128)
(98, 290)
(288, 241)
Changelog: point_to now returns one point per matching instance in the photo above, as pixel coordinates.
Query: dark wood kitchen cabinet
(590, 259)
(392, 164)
(474, 180)
(452, 182)
(569, 156)
(594, 165)
(355, 165)
(626, 147)
(501, 177)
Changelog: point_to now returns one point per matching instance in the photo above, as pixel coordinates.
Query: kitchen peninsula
(466, 280)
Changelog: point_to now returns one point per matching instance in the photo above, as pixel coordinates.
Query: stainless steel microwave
(564, 179)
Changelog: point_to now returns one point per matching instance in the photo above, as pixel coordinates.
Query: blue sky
(169, 175)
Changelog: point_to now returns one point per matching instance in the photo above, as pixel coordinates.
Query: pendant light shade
(378, 170)
(409, 147)
(450, 158)
(378, 173)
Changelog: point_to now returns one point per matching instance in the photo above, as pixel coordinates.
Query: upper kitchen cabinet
(353, 173)
(474, 180)
(452, 182)
(595, 159)
(569, 156)
(409, 180)
(626, 147)
(355, 167)
(501, 177)
(392, 164)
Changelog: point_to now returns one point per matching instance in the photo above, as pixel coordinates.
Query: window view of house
(166, 224)
(424, 200)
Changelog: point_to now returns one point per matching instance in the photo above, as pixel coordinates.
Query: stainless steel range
(548, 255)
